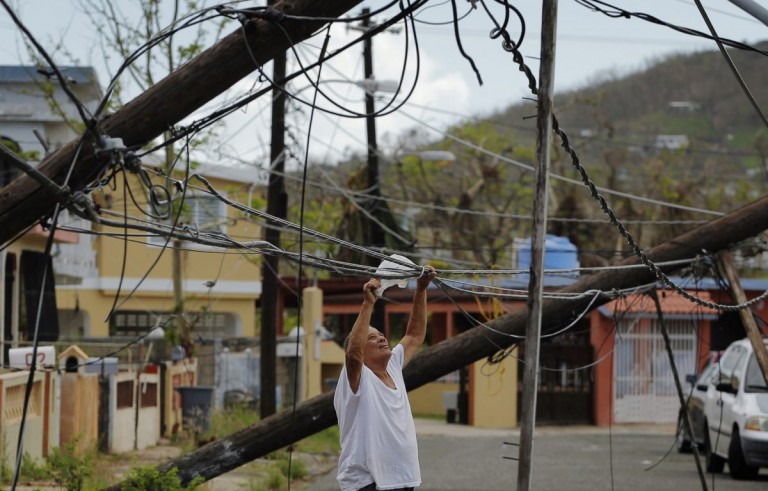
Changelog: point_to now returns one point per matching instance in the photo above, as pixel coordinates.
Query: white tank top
(378, 437)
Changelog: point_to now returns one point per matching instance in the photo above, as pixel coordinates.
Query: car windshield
(754, 381)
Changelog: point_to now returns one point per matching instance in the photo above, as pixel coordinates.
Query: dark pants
(372, 487)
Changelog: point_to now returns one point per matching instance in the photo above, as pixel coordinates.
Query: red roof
(672, 303)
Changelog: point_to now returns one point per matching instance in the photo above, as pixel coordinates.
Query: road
(455, 457)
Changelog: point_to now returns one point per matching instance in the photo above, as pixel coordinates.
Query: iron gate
(644, 388)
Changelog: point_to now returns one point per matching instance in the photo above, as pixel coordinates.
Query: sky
(590, 46)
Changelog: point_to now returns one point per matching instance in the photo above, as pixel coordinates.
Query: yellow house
(134, 269)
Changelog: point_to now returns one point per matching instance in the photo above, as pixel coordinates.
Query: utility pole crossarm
(166, 103)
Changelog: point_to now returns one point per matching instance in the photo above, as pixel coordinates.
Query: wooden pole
(536, 278)
(277, 206)
(753, 332)
(309, 417)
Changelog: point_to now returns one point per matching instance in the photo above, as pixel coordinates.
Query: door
(644, 389)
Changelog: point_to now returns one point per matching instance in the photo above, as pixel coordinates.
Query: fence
(41, 427)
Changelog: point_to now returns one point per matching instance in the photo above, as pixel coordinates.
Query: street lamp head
(444, 156)
(437, 155)
(371, 85)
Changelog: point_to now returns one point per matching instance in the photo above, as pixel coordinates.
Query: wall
(41, 430)
(428, 399)
(493, 393)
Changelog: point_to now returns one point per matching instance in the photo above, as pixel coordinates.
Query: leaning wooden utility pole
(536, 278)
(313, 415)
(747, 318)
(23, 202)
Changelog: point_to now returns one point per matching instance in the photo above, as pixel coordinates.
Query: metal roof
(28, 73)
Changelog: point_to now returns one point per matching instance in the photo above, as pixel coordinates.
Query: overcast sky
(590, 46)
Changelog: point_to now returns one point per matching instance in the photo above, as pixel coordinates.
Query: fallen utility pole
(313, 415)
(747, 318)
(164, 104)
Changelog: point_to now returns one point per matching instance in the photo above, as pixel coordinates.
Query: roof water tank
(559, 253)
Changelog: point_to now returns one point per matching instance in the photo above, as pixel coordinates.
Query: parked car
(696, 397)
(735, 424)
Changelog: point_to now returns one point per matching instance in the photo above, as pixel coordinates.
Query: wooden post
(753, 332)
(536, 279)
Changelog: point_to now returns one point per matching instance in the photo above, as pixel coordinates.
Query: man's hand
(426, 278)
(369, 291)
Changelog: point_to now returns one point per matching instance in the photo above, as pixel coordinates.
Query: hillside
(695, 95)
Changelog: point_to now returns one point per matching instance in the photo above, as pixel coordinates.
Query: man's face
(376, 345)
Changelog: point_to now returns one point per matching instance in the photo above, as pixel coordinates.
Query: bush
(149, 478)
(69, 470)
(33, 470)
(298, 468)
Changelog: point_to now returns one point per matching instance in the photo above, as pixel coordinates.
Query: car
(697, 395)
(735, 425)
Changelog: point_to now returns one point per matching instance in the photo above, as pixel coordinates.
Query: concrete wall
(493, 393)
(428, 399)
(41, 430)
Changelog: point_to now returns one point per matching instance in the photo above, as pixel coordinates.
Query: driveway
(455, 457)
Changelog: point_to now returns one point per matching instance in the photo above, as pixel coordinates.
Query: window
(8, 171)
(134, 323)
(728, 362)
(754, 382)
(201, 212)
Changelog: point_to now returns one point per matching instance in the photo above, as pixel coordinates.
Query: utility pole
(277, 204)
(377, 237)
(536, 281)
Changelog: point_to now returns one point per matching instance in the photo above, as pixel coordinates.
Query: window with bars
(200, 212)
(135, 323)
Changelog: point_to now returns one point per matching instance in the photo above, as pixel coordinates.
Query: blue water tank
(559, 253)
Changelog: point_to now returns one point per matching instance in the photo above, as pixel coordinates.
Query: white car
(736, 414)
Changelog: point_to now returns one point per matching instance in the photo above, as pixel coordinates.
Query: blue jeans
(372, 487)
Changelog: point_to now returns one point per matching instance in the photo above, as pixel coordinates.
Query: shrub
(149, 478)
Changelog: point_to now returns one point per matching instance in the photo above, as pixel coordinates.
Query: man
(378, 436)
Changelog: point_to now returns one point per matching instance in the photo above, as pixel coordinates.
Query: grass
(85, 471)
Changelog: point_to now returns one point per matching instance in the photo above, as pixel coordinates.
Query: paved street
(454, 457)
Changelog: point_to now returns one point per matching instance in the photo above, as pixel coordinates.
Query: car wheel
(682, 442)
(715, 463)
(736, 462)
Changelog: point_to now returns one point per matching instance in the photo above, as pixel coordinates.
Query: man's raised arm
(416, 330)
(355, 348)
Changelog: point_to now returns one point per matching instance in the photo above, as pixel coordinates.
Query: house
(134, 270)
(29, 127)
(672, 142)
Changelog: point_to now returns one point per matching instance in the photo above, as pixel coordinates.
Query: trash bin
(196, 403)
